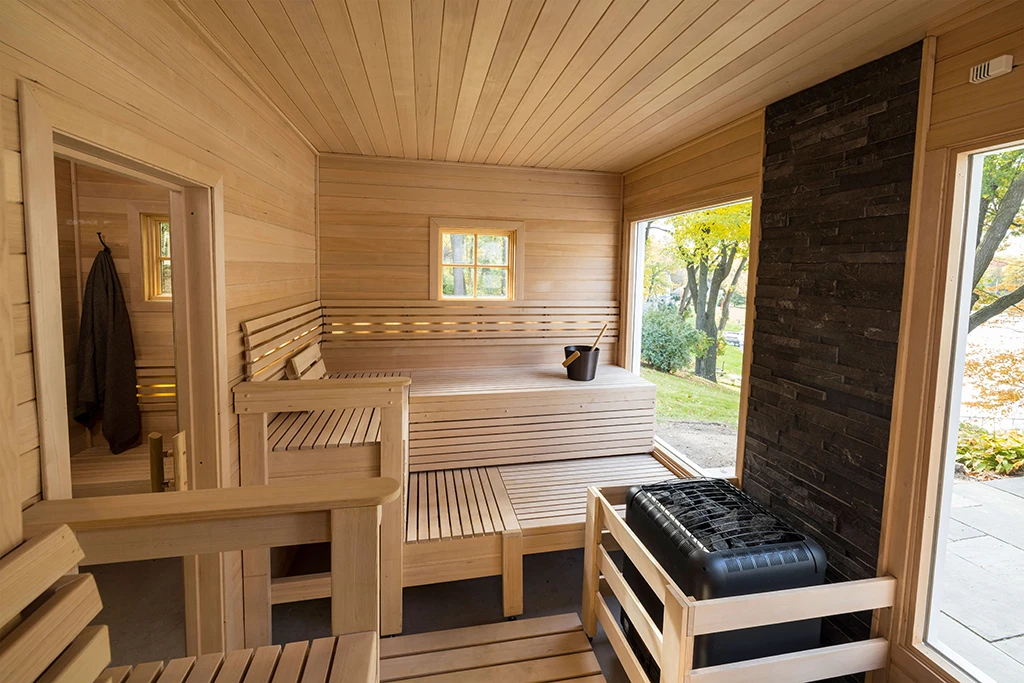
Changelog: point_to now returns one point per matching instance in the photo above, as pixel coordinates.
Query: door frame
(49, 126)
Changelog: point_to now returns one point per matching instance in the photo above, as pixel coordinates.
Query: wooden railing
(144, 526)
(254, 401)
(671, 644)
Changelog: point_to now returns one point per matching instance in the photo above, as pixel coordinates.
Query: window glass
(476, 264)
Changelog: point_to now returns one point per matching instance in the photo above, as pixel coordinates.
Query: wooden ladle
(576, 354)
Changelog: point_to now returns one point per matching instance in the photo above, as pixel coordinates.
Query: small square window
(156, 257)
(475, 264)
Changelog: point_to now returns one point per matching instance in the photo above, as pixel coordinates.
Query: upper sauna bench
(501, 445)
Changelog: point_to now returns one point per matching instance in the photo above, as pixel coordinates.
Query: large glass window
(693, 328)
(976, 612)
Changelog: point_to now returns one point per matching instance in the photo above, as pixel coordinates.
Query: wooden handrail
(207, 505)
(323, 394)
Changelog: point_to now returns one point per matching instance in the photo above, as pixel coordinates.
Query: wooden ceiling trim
(673, 80)
(751, 87)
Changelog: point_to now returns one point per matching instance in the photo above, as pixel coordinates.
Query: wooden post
(355, 570)
(252, 446)
(512, 572)
(394, 463)
(677, 637)
(156, 462)
(591, 572)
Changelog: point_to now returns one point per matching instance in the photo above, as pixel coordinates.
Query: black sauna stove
(715, 542)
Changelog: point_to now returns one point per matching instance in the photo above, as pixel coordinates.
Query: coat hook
(105, 247)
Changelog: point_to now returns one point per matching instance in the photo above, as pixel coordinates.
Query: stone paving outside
(980, 601)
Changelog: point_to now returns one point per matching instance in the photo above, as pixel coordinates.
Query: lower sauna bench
(480, 521)
(350, 658)
(473, 522)
(526, 651)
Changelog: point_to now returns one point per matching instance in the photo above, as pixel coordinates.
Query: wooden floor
(98, 472)
(345, 659)
(526, 651)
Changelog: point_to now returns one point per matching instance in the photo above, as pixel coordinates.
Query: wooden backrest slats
(270, 341)
(415, 335)
(28, 650)
(31, 568)
(307, 364)
(412, 335)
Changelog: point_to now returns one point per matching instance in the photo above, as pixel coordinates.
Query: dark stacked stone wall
(834, 218)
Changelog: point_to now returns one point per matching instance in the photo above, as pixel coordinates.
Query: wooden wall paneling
(11, 494)
(375, 213)
(955, 118)
(44, 277)
(172, 103)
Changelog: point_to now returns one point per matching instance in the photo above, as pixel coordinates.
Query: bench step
(344, 659)
(526, 651)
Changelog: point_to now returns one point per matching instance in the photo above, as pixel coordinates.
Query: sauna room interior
(646, 341)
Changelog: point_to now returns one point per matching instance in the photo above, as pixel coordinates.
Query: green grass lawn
(732, 360)
(689, 397)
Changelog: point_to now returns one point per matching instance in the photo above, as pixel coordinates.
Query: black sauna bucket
(584, 368)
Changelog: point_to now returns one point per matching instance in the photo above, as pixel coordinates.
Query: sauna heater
(715, 541)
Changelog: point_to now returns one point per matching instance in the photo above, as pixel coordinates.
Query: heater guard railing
(671, 645)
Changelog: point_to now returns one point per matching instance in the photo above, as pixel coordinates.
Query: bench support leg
(512, 572)
(252, 446)
(355, 570)
(394, 463)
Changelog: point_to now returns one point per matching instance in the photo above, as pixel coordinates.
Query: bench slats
(531, 650)
(351, 658)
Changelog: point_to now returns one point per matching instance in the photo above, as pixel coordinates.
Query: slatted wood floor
(98, 472)
(460, 503)
(316, 429)
(526, 651)
(550, 494)
(345, 659)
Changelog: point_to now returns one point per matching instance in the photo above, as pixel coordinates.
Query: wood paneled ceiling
(584, 84)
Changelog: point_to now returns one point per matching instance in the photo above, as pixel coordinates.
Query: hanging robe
(107, 382)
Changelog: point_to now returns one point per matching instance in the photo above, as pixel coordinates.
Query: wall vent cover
(992, 68)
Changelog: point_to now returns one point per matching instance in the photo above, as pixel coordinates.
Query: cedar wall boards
(375, 226)
(834, 214)
(957, 117)
(139, 70)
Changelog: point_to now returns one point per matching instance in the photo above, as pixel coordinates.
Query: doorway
(690, 309)
(104, 216)
(975, 611)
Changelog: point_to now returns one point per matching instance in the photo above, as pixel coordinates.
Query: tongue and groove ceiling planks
(581, 84)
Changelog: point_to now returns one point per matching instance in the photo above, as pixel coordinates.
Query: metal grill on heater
(715, 541)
